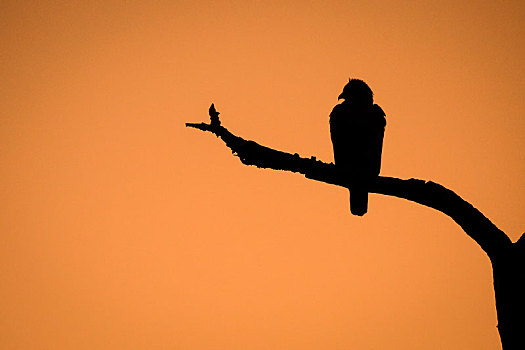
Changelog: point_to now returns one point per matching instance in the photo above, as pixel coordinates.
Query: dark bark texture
(507, 258)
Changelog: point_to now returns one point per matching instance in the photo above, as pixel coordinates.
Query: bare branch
(491, 239)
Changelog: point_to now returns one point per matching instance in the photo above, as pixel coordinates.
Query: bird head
(357, 91)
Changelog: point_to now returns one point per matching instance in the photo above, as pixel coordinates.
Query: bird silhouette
(357, 128)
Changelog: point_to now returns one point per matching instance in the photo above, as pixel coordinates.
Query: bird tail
(358, 202)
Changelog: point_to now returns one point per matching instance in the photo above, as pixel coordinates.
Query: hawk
(357, 128)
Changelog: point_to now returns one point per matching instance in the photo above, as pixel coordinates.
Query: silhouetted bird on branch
(357, 127)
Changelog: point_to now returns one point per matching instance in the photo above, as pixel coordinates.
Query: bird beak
(340, 97)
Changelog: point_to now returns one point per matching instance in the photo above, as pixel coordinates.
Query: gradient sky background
(122, 229)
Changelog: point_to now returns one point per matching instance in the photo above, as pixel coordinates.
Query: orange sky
(122, 229)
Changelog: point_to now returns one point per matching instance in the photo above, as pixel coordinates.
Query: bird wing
(339, 134)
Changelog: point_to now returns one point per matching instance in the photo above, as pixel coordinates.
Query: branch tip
(214, 115)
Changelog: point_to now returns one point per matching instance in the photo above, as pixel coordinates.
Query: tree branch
(491, 239)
